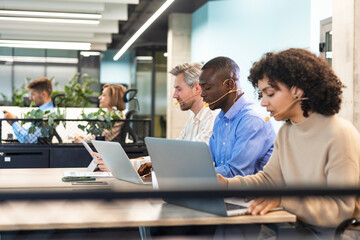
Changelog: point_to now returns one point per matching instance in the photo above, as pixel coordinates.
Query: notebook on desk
(117, 161)
(188, 165)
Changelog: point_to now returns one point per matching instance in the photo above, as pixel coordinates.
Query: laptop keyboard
(231, 206)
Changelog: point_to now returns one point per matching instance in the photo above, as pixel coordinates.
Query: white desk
(50, 178)
(38, 215)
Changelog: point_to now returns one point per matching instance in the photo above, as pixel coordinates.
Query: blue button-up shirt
(22, 132)
(243, 145)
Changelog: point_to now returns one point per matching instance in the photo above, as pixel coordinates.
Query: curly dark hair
(303, 69)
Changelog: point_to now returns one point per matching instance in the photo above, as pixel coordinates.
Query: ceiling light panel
(46, 44)
(51, 20)
(50, 14)
(53, 6)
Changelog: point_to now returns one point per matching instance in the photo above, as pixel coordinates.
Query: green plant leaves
(104, 121)
(38, 114)
(78, 90)
(47, 120)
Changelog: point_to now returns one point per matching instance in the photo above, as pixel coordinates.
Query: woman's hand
(78, 139)
(222, 181)
(100, 162)
(263, 205)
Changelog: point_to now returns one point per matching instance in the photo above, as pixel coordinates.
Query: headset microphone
(297, 99)
(176, 103)
(237, 90)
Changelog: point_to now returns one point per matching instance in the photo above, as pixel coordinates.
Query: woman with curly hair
(313, 147)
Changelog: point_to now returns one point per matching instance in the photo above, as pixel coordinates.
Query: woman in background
(111, 98)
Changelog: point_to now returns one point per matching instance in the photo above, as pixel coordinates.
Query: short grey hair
(191, 72)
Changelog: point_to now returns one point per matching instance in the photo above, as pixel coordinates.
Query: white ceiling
(98, 35)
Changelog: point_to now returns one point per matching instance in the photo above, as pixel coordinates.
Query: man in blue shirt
(242, 141)
(40, 93)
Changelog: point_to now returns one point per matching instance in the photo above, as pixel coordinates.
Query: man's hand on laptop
(263, 205)
(222, 181)
(100, 162)
(145, 168)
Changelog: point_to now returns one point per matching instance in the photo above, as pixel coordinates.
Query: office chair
(55, 103)
(61, 96)
(344, 225)
(130, 95)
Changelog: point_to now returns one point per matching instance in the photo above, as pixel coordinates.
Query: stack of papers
(88, 174)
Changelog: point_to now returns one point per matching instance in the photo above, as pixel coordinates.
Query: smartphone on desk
(77, 179)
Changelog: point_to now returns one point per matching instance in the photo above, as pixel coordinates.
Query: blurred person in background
(112, 99)
(40, 94)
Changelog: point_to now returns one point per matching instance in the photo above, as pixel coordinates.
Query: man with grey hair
(199, 126)
(188, 95)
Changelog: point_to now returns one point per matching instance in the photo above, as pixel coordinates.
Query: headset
(297, 99)
(231, 91)
(176, 103)
(236, 97)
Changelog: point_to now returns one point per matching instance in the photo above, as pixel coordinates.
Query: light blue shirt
(244, 147)
(22, 132)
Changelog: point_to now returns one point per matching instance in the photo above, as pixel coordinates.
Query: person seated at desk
(40, 93)
(187, 94)
(313, 147)
(111, 98)
(242, 141)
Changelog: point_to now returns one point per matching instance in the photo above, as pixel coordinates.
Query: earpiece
(297, 99)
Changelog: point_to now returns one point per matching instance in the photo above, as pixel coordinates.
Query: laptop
(189, 165)
(117, 161)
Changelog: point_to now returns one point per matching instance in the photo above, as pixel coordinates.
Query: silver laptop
(188, 165)
(117, 161)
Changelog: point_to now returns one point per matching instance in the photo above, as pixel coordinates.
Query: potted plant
(100, 120)
(78, 91)
(47, 122)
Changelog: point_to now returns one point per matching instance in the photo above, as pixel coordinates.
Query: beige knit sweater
(318, 151)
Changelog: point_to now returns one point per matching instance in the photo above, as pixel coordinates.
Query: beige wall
(346, 55)
(179, 39)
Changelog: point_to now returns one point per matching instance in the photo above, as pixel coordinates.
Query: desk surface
(37, 215)
(61, 214)
(50, 178)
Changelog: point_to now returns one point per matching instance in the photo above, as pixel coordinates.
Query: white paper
(88, 174)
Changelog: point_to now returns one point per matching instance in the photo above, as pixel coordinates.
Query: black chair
(60, 96)
(130, 95)
(344, 225)
(127, 129)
